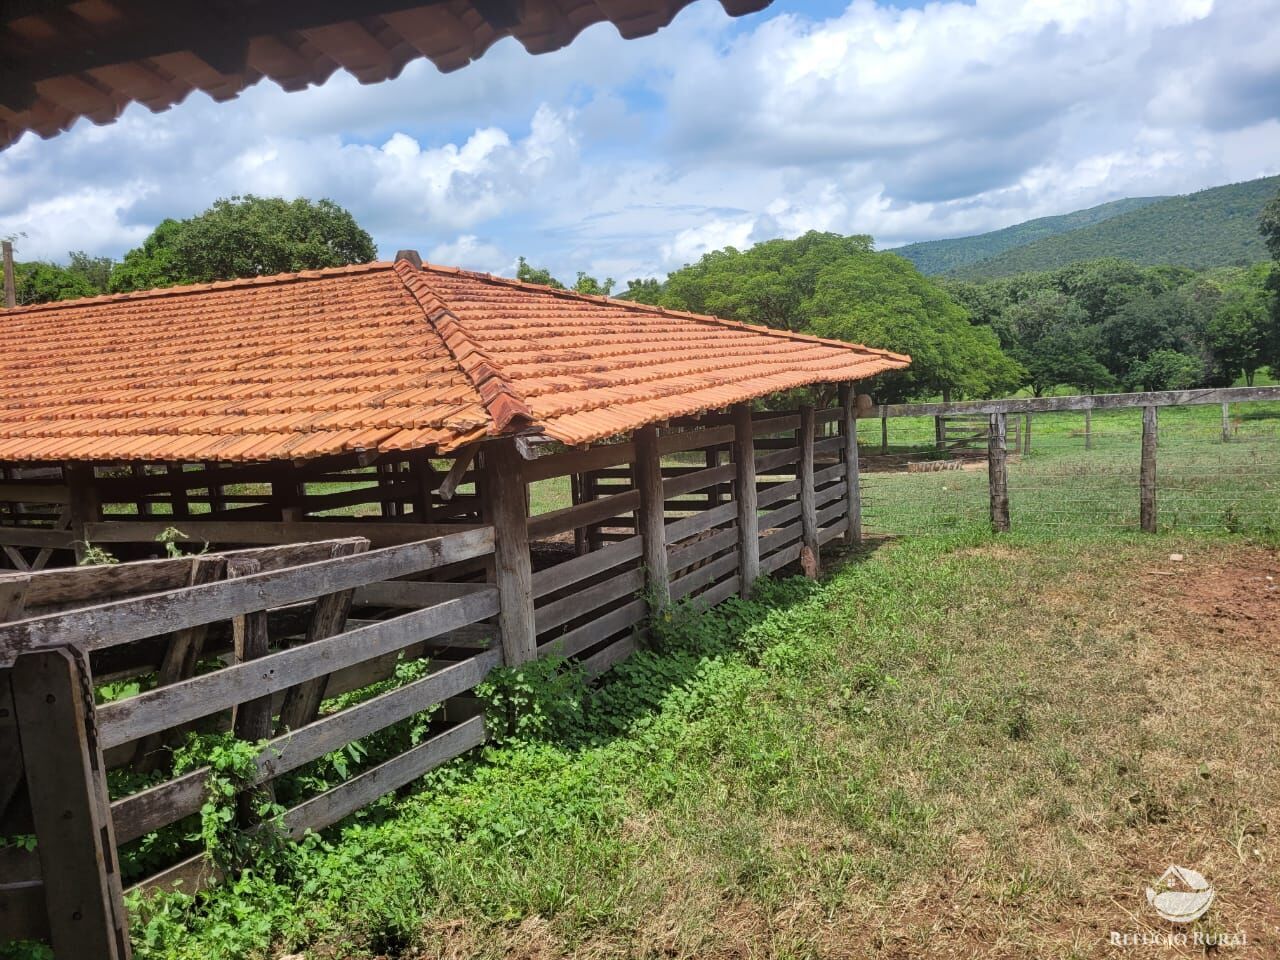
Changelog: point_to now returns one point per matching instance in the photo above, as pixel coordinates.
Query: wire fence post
(1147, 472)
(997, 473)
(1226, 422)
(1088, 428)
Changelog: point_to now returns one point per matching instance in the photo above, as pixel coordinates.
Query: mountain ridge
(1209, 228)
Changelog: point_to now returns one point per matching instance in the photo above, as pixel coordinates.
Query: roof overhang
(65, 59)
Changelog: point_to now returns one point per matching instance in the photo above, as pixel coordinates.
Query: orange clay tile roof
(375, 357)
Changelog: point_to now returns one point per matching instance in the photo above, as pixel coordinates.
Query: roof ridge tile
(264, 280)
(503, 402)
(649, 308)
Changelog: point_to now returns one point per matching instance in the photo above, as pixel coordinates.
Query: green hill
(1212, 228)
(944, 256)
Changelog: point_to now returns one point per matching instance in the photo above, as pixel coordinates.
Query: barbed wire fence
(1215, 460)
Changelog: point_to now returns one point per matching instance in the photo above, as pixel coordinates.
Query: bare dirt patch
(1236, 595)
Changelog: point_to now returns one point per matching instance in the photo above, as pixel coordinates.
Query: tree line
(1098, 325)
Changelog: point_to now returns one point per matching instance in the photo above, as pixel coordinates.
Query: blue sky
(906, 121)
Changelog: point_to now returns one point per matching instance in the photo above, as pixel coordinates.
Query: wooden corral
(255, 640)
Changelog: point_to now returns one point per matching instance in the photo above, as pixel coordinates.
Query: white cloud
(628, 158)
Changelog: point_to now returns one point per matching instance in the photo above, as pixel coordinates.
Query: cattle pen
(337, 473)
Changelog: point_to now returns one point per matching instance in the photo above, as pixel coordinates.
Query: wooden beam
(302, 703)
(744, 458)
(997, 474)
(66, 778)
(652, 517)
(504, 488)
(1147, 470)
(810, 561)
(852, 475)
(461, 464)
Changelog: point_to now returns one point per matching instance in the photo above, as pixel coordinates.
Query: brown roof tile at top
(375, 357)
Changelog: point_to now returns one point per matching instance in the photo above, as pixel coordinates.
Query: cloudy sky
(906, 121)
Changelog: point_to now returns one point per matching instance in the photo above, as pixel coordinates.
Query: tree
(245, 237)
(40, 282)
(1269, 226)
(529, 274)
(590, 285)
(1166, 370)
(1242, 329)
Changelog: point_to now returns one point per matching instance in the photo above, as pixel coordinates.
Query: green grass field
(961, 746)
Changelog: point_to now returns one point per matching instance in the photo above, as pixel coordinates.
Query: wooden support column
(513, 569)
(580, 545)
(67, 782)
(852, 474)
(302, 703)
(1147, 471)
(744, 458)
(13, 596)
(84, 506)
(1226, 422)
(997, 473)
(652, 517)
(810, 560)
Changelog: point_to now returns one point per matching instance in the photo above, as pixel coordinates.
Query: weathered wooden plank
(22, 911)
(827, 516)
(611, 454)
(589, 634)
(183, 649)
(831, 494)
(1147, 470)
(683, 586)
(36, 537)
(703, 520)
(558, 612)
(168, 802)
(343, 800)
(413, 594)
(849, 457)
(10, 746)
(997, 475)
(779, 458)
(123, 621)
(1097, 401)
(602, 660)
(505, 491)
(828, 533)
(777, 492)
(20, 491)
(780, 558)
(66, 780)
(453, 479)
(588, 565)
(777, 518)
(808, 493)
(250, 719)
(302, 703)
(745, 495)
(721, 591)
(696, 480)
(682, 557)
(381, 533)
(123, 721)
(592, 512)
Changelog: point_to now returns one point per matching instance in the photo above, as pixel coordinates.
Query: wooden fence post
(808, 497)
(84, 506)
(651, 517)
(1226, 422)
(513, 569)
(302, 703)
(852, 475)
(997, 473)
(744, 458)
(1026, 439)
(884, 436)
(1147, 471)
(67, 782)
(1088, 428)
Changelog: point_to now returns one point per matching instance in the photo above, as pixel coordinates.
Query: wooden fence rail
(264, 642)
